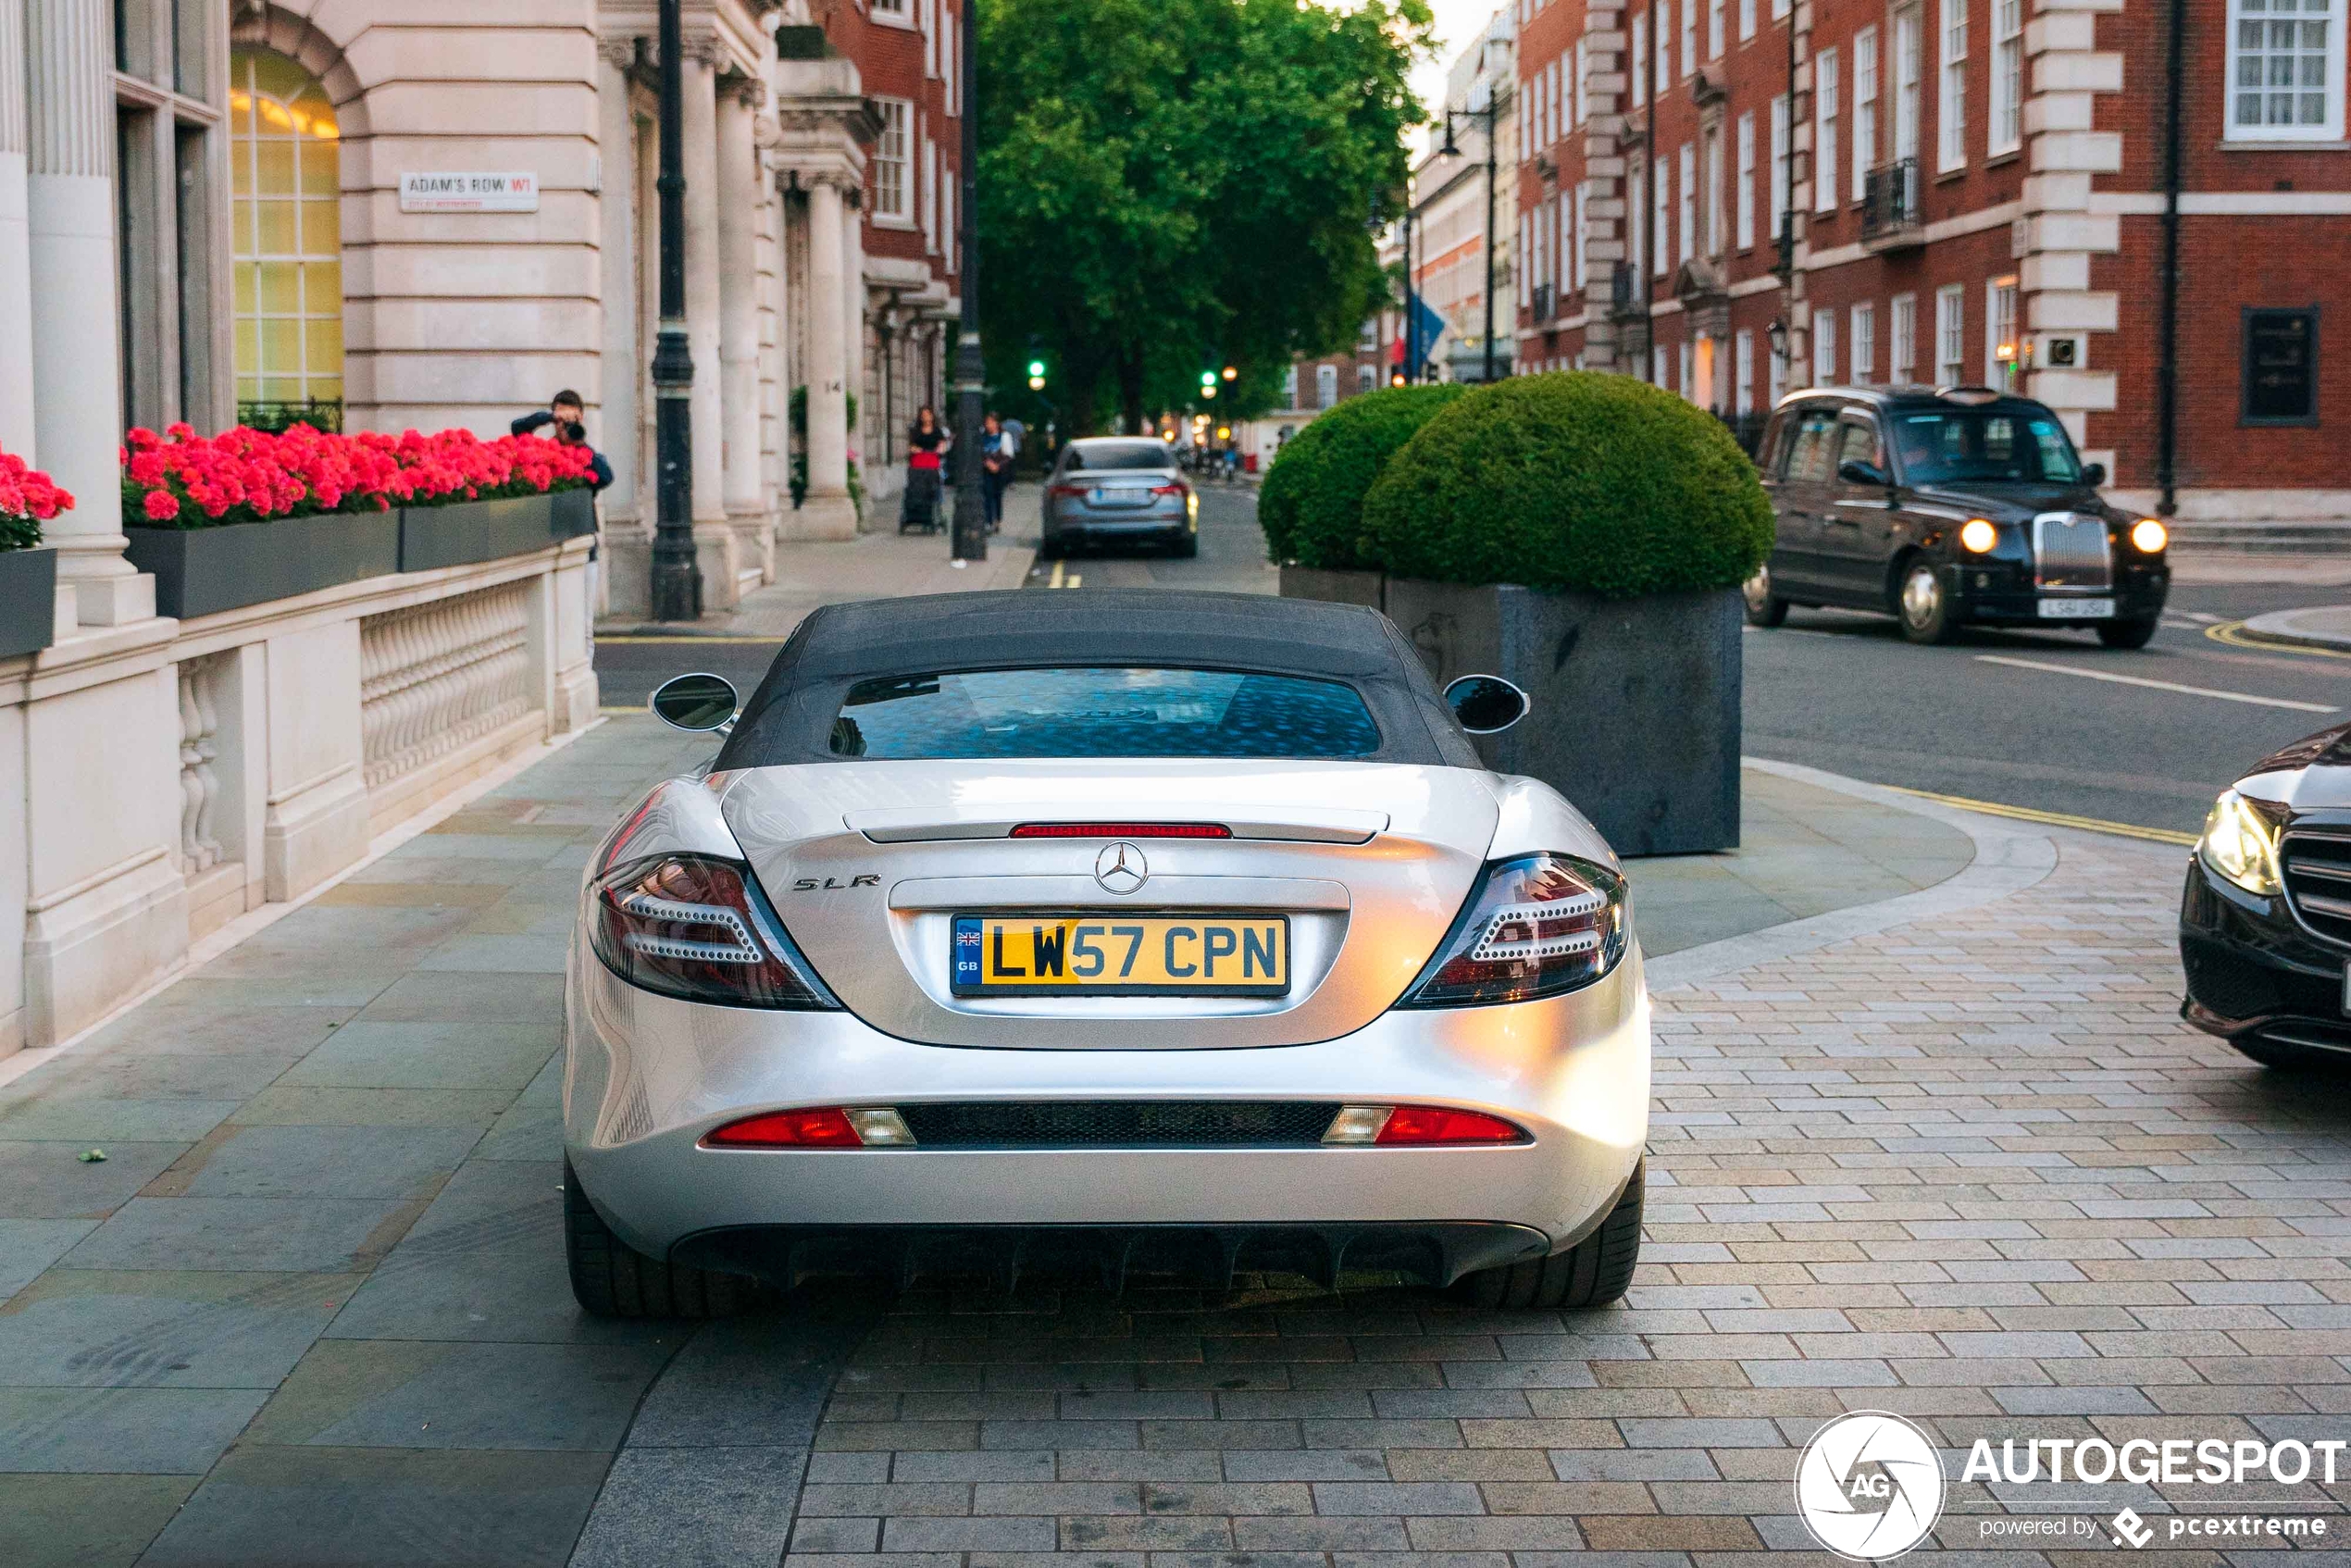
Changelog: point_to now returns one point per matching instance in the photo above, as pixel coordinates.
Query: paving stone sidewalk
(311, 1309)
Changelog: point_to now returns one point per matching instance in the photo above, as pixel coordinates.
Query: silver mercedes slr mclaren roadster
(1129, 933)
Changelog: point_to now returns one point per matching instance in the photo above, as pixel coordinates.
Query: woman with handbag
(925, 440)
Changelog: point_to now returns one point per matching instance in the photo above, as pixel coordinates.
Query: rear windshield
(1984, 446)
(1113, 455)
(1102, 713)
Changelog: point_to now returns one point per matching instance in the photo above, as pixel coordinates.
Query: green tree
(1161, 180)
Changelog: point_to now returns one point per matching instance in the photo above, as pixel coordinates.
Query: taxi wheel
(2127, 634)
(610, 1278)
(1593, 1273)
(1764, 607)
(1924, 605)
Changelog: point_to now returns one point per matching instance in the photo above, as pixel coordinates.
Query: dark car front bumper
(2253, 972)
(2002, 593)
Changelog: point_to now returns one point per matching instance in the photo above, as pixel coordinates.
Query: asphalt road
(2022, 719)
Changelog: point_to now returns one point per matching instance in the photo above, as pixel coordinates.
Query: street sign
(468, 192)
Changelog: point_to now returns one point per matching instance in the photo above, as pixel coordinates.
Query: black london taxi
(1948, 507)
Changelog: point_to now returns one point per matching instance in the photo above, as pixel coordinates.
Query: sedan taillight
(1066, 492)
(697, 928)
(1167, 489)
(1534, 927)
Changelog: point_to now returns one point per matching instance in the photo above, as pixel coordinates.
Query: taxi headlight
(2148, 536)
(2239, 844)
(1978, 535)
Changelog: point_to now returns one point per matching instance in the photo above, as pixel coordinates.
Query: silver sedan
(1134, 932)
(1119, 489)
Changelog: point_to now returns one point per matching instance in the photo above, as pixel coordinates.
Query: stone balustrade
(176, 775)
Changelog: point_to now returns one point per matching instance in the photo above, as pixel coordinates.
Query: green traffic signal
(1036, 370)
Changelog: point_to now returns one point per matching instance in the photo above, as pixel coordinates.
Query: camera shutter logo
(1868, 1485)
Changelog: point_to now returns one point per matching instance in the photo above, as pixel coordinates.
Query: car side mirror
(696, 704)
(1486, 704)
(1854, 471)
(2093, 474)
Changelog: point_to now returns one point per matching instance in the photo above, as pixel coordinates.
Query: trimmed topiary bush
(1311, 505)
(1570, 480)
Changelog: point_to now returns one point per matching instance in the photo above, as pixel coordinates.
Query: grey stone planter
(27, 600)
(467, 531)
(1335, 588)
(200, 571)
(1637, 701)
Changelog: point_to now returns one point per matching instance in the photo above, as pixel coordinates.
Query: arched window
(288, 242)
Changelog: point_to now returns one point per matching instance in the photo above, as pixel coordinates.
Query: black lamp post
(1493, 108)
(970, 538)
(677, 578)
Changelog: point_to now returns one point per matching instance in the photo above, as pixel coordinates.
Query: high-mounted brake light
(1533, 926)
(1122, 830)
(696, 927)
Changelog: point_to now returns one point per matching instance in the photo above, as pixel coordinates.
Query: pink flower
(162, 505)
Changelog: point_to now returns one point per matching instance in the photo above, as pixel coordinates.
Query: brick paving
(1975, 1172)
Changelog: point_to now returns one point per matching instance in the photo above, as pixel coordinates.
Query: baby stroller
(918, 507)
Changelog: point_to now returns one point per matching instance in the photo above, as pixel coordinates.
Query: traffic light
(1208, 383)
(1396, 377)
(1036, 370)
(1230, 372)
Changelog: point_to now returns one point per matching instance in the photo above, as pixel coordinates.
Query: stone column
(713, 541)
(854, 302)
(2061, 236)
(1606, 219)
(15, 265)
(828, 512)
(738, 315)
(70, 209)
(616, 410)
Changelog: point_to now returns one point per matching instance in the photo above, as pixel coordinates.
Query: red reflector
(822, 1128)
(1122, 830)
(1435, 1124)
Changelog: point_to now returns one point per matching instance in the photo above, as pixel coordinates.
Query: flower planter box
(27, 600)
(200, 571)
(467, 531)
(1637, 701)
(1335, 588)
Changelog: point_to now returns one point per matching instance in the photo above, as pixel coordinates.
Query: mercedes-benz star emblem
(1121, 868)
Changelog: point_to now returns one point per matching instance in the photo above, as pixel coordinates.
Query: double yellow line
(2233, 634)
(2052, 818)
(1060, 581)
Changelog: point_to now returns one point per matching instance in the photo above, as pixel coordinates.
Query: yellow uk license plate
(1110, 955)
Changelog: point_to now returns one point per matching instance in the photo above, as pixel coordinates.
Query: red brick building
(1979, 193)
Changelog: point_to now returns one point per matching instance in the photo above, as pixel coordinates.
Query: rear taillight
(1122, 830)
(1534, 927)
(1419, 1127)
(1066, 490)
(697, 928)
(1167, 489)
(823, 1127)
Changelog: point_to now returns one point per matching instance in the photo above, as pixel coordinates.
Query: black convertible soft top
(790, 718)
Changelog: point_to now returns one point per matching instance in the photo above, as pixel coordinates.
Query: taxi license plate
(2077, 609)
(1098, 955)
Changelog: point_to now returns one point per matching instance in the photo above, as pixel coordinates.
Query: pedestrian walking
(999, 447)
(925, 440)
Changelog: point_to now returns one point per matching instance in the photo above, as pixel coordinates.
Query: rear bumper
(1086, 528)
(646, 1078)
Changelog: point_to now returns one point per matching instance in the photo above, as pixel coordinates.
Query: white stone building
(241, 210)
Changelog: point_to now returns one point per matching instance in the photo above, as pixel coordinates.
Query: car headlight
(1534, 925)
(2148, 536)
(1978, 535)
(2240, 845)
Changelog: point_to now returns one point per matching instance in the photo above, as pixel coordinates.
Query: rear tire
(1764, 608)
(610, 1278)
(1049, 548)
(1189, 547)
(1593, 1273)
(2127, 634)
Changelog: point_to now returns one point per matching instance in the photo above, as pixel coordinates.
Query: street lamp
(677, 578)
(970, 537)
(1776, 335)
(1493, 108)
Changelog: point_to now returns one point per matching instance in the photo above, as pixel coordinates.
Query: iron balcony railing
(1890, 205)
